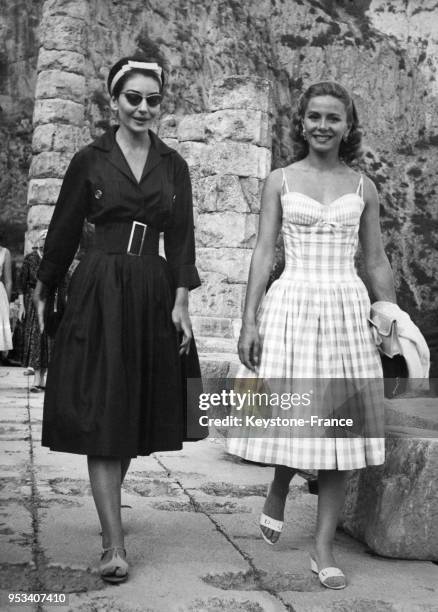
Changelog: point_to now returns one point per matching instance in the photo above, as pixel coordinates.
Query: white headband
(132, 65)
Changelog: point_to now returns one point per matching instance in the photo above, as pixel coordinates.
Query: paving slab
(191, 524)
(16, 533)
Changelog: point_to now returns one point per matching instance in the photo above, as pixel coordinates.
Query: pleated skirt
(116, 384)
(316, 334)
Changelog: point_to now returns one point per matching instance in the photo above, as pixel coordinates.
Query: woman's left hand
(181, 320)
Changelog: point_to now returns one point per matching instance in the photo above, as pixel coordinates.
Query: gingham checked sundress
(313, 323)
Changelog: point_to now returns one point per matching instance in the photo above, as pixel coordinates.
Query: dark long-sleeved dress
(116, 384)
(36, 346)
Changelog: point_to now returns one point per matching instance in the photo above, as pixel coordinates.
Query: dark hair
(350, 149)
(138, 57)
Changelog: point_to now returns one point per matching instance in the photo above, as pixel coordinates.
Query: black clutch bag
(395, 372)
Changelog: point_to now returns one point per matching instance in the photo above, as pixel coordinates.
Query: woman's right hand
(249, 346)
(39, 301)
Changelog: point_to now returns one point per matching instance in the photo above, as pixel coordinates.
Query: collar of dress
(107, 141)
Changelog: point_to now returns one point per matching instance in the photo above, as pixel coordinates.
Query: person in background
(5, 296)
(36, 345)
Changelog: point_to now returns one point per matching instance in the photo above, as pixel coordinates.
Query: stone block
(217, 298)
(62, 32)
(220, 193)
(241, 125)
(226, 229)
(231, 263)
(243, 92)
(58, 137)
(43, 191)
(420, 412)
(173, 143)
(394, 508)
(49, 164)
(214, 365)
(168, 126)
(195, 154)
(58, 110)
(252, 190)
(192, 127)
(43, 137)
(212, 326)
(53, 59)
(72, 8)
(239, 158)
(70, 138)
(60, 84)
(221, 346)
(39, 216)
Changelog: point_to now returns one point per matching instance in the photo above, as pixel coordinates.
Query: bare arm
(7, 271)
(377, 267)
(261, 264)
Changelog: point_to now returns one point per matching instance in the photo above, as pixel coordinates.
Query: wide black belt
(132, 238)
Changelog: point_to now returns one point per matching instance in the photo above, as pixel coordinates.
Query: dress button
(98, 194)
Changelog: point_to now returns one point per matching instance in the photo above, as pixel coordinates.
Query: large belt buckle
(136, 239)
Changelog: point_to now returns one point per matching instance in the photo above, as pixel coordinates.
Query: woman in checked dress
(313, 323)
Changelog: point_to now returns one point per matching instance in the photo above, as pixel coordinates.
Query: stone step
(218, 365)
(212, 345)
(413, 412)
(417, 433)
(393, 508)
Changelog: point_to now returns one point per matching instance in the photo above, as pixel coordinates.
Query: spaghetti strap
(359, 190)
(284, 185)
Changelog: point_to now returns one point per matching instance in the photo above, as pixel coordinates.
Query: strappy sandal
(116, 569)
(330, 577)
(270, 523)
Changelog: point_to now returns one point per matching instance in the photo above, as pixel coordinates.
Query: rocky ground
(191, 533)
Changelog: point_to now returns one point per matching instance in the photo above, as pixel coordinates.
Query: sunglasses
(134, 99)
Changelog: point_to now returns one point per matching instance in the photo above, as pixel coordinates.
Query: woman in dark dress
(116, 385)
(36, 345)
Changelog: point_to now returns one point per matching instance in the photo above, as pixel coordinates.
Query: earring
(345, 137)
(304, 132)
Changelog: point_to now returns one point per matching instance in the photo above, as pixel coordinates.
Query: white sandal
(326, 573)
(270, 523)
(116, 569)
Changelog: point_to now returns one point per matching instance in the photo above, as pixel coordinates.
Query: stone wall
(382, 50)
(19, 46)
(228, 150)
(58, 119)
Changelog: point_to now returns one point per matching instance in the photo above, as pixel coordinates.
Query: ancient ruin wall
(375, 49)
(19, 46)
(228, 150)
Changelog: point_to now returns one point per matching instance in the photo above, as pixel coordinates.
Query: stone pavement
(191, 533)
